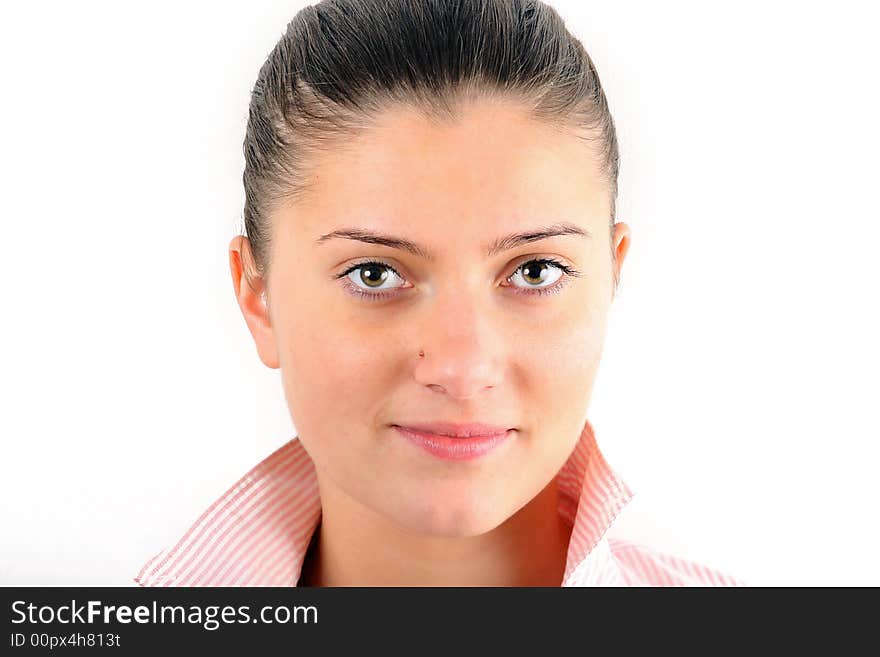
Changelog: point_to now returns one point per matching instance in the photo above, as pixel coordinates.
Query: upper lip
(467, 430)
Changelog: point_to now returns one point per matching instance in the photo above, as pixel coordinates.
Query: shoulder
(642, 565)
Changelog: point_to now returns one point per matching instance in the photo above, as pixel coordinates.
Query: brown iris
(534, 270)
(374, 276)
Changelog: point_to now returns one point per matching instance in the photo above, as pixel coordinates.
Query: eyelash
(568, 272)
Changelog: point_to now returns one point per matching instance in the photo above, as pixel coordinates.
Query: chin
(449, 521)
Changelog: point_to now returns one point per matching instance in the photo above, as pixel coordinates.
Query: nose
(462, 342)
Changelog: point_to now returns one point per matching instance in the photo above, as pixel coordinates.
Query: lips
(457, 447)
(453, 430)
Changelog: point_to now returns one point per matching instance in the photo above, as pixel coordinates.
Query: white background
(738, 390)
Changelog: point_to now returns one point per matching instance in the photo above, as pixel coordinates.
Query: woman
(430, 257)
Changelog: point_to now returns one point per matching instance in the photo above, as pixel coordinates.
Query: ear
(252, 301)
(619, 246)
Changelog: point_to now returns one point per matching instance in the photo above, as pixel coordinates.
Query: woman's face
(496, 351)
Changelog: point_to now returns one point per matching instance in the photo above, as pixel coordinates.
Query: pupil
(373, 275)
(528, 274)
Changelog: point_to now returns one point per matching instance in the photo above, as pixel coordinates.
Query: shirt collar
(257, 533)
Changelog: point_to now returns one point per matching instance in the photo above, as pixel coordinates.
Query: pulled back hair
(341, 62)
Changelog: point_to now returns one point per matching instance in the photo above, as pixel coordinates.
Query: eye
(375, 280)
(363, 277)
(538, 272)
(542, 276)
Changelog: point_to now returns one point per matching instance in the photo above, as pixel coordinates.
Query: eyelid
(541, 258)
(371, 261)
(524, 259)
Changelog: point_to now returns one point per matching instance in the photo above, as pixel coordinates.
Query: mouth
(452, 430)
(459, 443)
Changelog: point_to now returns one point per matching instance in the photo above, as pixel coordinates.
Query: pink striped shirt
(257, 533)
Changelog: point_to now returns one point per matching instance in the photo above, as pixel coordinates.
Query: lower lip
(455, 449)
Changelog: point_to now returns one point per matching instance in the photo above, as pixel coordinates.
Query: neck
(354, 546)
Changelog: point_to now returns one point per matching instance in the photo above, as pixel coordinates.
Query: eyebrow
(501, 244)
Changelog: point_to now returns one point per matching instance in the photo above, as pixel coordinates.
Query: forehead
(492, 167)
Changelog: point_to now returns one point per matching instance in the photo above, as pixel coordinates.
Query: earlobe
(251, 295)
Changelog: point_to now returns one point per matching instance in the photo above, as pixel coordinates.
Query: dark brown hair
(340, 62)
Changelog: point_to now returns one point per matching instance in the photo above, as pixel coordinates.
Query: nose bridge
(459, 334)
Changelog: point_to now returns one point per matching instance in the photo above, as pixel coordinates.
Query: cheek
(330, 370)
(566, 351)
